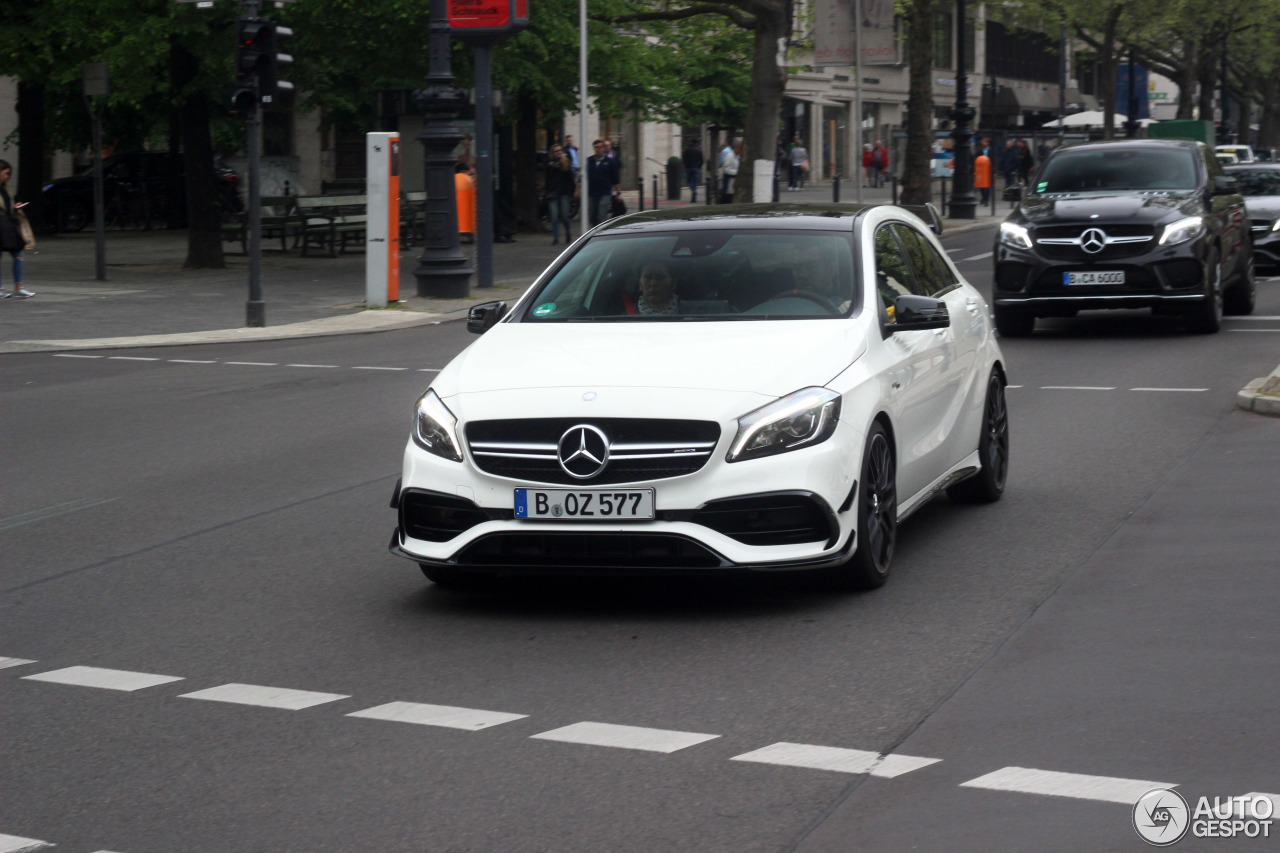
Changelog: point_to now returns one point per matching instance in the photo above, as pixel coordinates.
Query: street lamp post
(443, 270)
(964, 201)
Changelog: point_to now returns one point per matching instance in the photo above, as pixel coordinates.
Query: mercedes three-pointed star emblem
(1093, 240)
(583, 451)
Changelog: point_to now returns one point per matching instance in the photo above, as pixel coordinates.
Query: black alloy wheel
(1206, 317)
(987, 486)
(73, 215)
(1241, 296)
(877, 507)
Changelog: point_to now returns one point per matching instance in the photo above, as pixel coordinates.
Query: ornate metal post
(964, 202)
(443, 270)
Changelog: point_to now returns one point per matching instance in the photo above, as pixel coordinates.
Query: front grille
(1052, 241)
(640, 449)
(776, 519)
(1073, 231)
(1257, 225)
(435, 517)
(589, 550)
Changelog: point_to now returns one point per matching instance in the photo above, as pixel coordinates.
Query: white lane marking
(429, 369)
(255, 363)
(625, 737)
(311, 365)
(107, 679)
(1076, 388)
(73, 355)
(192, 361)
(449, 717)
(1253, 330)
(981, 257)
(379, 368)
(131, 358)
(1239, 810)
(1168, 389)
(1254, 318)
(1026, 780)
(17, 844)
(5, 663)
(267, 697)
(837, 759)
(1007, 387)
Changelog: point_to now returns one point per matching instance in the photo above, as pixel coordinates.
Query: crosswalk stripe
(266, 697)
(836, 759)
(17, 844)
(5, 663)
(1051, 783)
(625, 737)
(107, 679)
(470, 719)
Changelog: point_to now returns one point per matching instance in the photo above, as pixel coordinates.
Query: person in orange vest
(464, 187)
(982, 177)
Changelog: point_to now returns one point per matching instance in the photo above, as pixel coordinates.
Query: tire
(877, 526)
(1241, 296)
(987, 486)
(73, 216)
(1013, 323)
(1206, 317)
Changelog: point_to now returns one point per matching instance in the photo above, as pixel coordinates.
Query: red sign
(479, 14)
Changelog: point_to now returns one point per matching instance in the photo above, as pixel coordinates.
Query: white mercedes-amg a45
(730, 388)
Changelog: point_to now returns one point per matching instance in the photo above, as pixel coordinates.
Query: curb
(1261, 396)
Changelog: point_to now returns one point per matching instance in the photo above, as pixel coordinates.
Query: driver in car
(818, 273)
(657, 290)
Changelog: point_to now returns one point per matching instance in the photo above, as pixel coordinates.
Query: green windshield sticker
(545, 309)
(1040, 186)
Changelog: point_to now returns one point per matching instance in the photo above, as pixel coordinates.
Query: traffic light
(252, 37)
(275, 62)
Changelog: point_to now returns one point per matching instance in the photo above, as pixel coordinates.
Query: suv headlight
(1182, 231)
(1275, 226)
(433, 427)
(1012, 234)
(805, 418)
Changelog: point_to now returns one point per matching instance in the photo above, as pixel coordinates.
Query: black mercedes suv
(1134, 224)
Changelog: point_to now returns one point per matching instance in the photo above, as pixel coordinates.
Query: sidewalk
(148, 299)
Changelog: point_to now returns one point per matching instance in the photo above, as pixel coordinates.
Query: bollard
(943, 182)
(641, 187)
(893, 183)
(835, 188)
(655, 194)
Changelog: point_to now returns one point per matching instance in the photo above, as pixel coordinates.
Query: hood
(1129, 207)
(766, 357)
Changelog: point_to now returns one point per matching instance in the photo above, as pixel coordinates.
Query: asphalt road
(219, 515)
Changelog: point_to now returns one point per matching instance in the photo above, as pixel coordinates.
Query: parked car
(733, 388)
(135, 188)
(1260, 186)
(1135, 224)
(1242, 153)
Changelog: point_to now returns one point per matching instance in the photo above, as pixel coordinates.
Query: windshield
(1257, 181)
(1111, 169)
(702, 275)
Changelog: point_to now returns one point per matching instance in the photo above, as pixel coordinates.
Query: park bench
(331, 222)
(277, 223)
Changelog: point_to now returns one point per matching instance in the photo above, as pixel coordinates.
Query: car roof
(1260, 165)
(1136, 144)
(809, 217)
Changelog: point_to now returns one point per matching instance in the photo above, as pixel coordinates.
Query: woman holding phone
(15, 233)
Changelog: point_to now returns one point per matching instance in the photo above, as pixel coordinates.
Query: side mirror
(1224, 185)
(484, 316)
(1013, 193)
(913, 313)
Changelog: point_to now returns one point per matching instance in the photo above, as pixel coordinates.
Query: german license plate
(584, 504)
(1070, 278)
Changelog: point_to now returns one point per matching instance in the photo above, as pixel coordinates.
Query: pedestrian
(1009, 163)
(799, 156)
(693, 159)
(560, 187)
(612, 154)
(571, 151)
(982, 176)
(868, 171)
(15, 233)
(730, 159)
(781, 159)
(1025, 161)
(604, 180)
(879, 162)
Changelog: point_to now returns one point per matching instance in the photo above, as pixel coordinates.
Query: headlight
(1182, 231)
(802, 419)
(433, 427)
(1012, 234)
(1275, 226)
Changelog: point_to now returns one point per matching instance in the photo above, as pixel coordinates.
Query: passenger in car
(657, 290)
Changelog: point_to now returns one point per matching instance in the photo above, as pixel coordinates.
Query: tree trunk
(1208, 82)
(917, 174)
(1268, 119)
(1107, 68)
(526, 202)
(1186, 80)
(760, 139)
(31, 140)
(204, 233)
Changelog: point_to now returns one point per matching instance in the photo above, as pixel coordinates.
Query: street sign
(96, 79)
(487, 21)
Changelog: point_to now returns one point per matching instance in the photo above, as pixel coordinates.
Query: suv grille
(639, 449)
(1062, 242)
